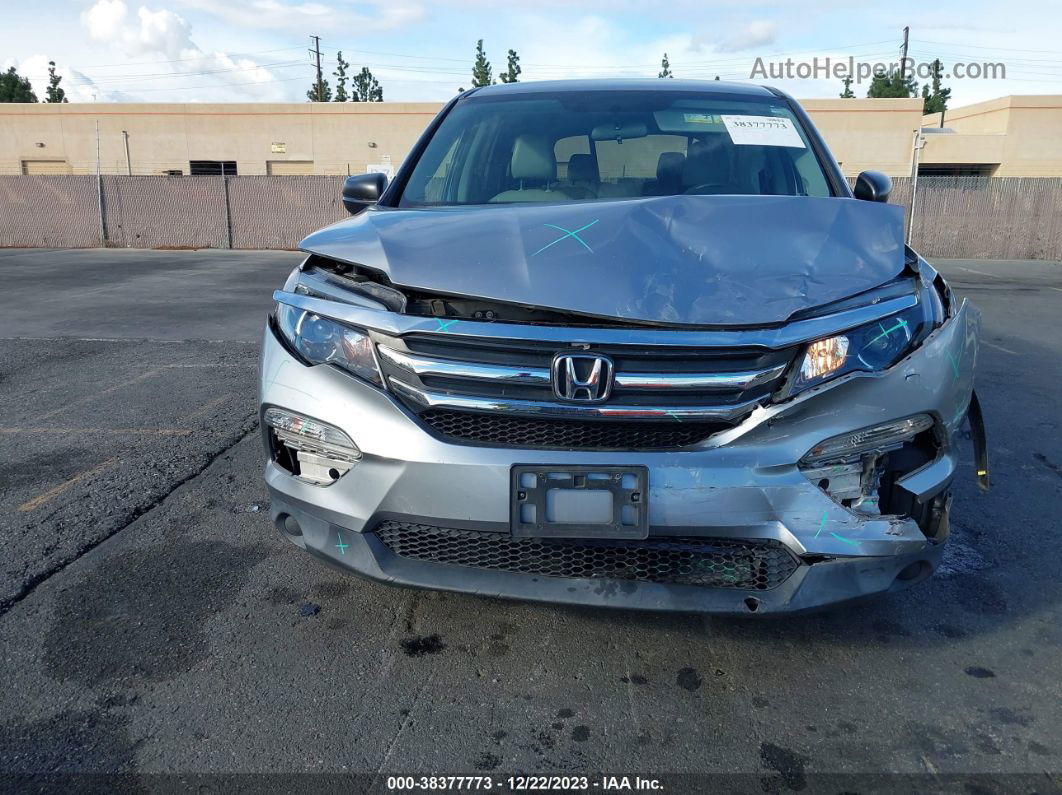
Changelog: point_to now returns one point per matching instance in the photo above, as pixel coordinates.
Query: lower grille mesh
(717, 563)
(567, 434)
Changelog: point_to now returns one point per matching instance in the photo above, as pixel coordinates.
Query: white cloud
(587, 46)
(78, 86)
(379, 15)
(756, 34)
(167, 35)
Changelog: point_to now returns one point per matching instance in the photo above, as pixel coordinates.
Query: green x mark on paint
(567, 233)
(954, 366)
(674, 416)
(958, 413)
(822, 524)
(886, 332)
(341, 546)
(444, 325)
(845, 540)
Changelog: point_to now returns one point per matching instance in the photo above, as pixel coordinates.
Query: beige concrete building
(1011, 136)
(868, 133)
(1016, 136)
(304, 138)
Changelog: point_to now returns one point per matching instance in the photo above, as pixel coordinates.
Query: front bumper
(744, 484)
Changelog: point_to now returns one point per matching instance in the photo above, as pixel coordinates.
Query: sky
(422, 50)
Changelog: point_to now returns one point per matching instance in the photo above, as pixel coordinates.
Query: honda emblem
(582, 376)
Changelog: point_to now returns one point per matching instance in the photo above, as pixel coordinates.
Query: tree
(934, 98)
(341, 78)
(891, 84)
(55, 93)
(481, 71)
(665, 68)
(848, 93)
(365, 87)
(513, 70)
(15, 88)
(326, 92)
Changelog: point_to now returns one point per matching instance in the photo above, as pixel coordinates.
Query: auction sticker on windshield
(762, 131)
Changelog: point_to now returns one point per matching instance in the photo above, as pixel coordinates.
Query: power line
(111, 79)
(181, 60)
(953, 53)
(428, 68)
(214, 85)
(976, 47)
(655, 65)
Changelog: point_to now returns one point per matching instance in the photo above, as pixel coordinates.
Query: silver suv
(622, 343)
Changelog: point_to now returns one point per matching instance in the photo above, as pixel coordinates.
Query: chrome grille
(443, 378)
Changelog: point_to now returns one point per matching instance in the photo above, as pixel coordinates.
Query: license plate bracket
(549, 501)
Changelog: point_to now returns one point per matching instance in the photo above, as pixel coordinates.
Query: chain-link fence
(977, 217)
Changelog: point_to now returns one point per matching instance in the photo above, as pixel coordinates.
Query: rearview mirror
(363, 191)
(872, 186)
(618, 132)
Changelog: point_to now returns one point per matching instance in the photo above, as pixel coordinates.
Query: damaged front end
(763, 446)
(865, 471)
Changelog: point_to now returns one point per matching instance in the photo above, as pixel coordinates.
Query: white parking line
(980, 273)
(1000, 347)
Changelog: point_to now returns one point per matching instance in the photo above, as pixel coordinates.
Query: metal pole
(903, 58)
(99, 188)
(128, 162)
(317, 51)
(919, 142)
(228, 211)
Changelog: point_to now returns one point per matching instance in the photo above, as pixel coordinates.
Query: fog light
(309, 449)
(868, 439)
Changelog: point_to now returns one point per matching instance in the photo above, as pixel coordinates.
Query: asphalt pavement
(153, 622)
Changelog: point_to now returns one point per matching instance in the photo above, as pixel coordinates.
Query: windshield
(583, 146)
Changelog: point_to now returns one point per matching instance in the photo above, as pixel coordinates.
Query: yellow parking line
(109, 390)
(206, 408)
(38, 501)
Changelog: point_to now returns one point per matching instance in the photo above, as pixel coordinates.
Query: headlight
(875, 346)
(322, 341)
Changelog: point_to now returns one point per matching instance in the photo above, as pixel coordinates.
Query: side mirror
(363, 191)
(873, 186)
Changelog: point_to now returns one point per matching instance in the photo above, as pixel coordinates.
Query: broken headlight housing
(875, 346)
(860, 469)
(319, 340)
(876, 438)
(309, 449)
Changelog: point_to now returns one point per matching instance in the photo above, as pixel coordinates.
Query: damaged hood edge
(735, 261)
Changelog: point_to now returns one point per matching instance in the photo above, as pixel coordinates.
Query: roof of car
(627, 84)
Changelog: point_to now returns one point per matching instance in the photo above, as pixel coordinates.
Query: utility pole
(317, 51)
(128, 162)
(903, 56)
(99, 188)
(919, 144)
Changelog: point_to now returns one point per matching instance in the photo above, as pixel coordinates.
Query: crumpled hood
(686, 260)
